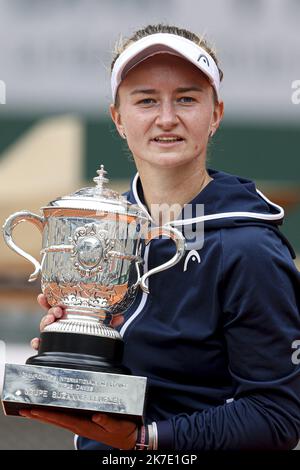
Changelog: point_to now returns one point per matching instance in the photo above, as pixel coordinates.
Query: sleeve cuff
(165, 435)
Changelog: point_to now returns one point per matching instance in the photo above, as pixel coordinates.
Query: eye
(203, 59)
(146, 101)
(193, 256)
(186, 99)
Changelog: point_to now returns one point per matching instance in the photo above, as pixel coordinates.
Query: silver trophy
(91, 266)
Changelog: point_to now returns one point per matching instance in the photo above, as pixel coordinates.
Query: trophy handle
(179, 241)
(10, 223)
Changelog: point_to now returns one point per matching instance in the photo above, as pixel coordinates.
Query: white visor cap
(164, 43)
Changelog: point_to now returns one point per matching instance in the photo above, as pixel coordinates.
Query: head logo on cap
(203, 59)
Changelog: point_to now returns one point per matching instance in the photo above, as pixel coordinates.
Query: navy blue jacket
(215, 335)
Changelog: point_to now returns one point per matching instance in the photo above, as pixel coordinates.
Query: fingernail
(58, 311)
(96, 418)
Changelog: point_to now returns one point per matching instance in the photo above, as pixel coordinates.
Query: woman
(214, 336)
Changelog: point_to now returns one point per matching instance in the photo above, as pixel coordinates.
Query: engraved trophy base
(77, 372)
(72, 390)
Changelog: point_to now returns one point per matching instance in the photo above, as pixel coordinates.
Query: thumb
(117, 320)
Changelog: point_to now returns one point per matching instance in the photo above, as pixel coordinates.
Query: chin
(168, 160)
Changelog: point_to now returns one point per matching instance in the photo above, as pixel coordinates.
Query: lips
(167, 138)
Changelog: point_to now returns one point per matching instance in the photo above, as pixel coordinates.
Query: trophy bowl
(90, 266)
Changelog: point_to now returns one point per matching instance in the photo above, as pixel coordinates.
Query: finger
(47, 417)
(53, 314)
(117, 320)
(56, 311)
(42, 300)
(25, 413)
(46, 320)
(75, 424)
(113, 425)
(34, 343)
(84, 427)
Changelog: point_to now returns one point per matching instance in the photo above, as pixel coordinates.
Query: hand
(54, 313)
(113, 431)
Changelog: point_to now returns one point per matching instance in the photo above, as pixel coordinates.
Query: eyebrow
(187, 89)
(152, 91)
(149, 91)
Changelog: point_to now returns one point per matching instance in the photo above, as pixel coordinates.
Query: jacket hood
(227, 201)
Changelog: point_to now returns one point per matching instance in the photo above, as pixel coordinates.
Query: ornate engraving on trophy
(90, 294)
(91, 246)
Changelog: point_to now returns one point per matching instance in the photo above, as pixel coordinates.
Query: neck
(167, 191)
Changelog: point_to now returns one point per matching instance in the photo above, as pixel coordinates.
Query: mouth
(167, 140)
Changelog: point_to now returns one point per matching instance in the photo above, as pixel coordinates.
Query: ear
(116, 117)
(217, 116)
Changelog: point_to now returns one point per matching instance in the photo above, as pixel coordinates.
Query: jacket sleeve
(260, 298)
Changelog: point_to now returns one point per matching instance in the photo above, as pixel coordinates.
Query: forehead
(164, 70)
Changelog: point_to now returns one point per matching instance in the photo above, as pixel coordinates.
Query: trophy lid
(98, 197)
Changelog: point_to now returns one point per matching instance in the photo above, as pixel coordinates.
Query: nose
(167, 117)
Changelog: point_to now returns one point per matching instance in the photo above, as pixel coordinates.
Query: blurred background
(55, 128)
